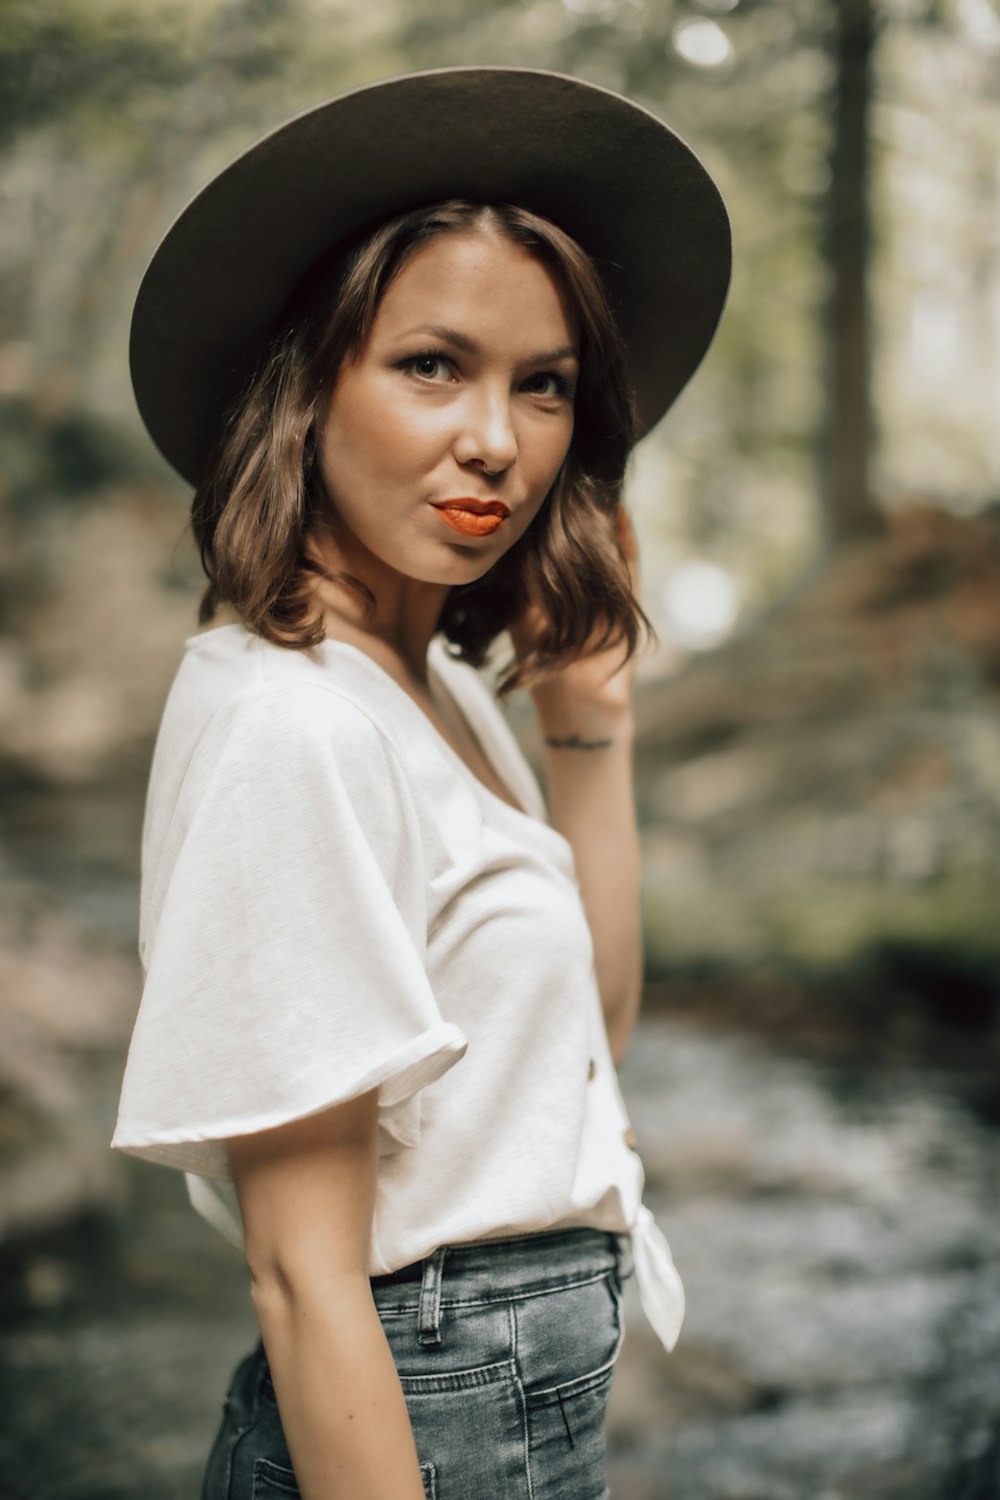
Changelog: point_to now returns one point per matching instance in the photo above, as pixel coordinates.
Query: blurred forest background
(815, 1083)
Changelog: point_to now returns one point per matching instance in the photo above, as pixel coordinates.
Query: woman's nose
(487, 433)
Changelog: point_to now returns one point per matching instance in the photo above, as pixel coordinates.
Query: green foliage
(824, 927)
(67, 59)
(71, 458)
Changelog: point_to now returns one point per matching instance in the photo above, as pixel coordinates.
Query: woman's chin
(457, 562)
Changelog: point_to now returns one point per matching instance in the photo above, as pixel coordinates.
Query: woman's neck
(407, 618)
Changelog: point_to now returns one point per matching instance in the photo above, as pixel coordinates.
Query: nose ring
(491, 473)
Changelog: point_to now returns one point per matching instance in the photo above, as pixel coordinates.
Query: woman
(402, 348)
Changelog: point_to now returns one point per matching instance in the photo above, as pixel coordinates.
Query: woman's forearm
(591, 795)
(341, 1403)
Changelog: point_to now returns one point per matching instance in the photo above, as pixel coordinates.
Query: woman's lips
(480, 521)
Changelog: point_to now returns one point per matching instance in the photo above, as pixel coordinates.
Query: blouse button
(631, 1140)
(591, 1069)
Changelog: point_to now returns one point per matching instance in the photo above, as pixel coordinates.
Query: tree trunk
(850, 508)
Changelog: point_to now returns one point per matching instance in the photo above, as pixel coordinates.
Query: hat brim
(608, 172)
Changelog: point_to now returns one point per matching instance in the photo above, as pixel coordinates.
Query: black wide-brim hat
(608, 172)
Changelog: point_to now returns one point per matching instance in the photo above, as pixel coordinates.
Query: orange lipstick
(473, 517)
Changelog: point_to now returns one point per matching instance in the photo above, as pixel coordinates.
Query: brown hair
(252, 512)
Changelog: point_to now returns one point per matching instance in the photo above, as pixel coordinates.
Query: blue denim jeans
(505, 1351)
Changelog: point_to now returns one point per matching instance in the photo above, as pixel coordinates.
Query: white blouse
(332, 902)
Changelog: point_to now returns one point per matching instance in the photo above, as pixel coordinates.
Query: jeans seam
(235, 1437)
(521, 1398)
(467, 1379)
(252, 1415)
(222, 1436)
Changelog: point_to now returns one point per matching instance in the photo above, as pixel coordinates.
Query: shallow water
(838, 1237)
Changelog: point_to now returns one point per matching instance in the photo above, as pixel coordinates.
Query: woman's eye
(434, 368)
(430, 367)
(549, 383)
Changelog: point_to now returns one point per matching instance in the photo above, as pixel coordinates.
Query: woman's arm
(307, 1194)
(589, 779)
(585, 716)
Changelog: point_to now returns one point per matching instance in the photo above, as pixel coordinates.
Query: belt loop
(626, 1260)
(429, 1318)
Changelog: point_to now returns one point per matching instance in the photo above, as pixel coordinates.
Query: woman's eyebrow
(469, 346)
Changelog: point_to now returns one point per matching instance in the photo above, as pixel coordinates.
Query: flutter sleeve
(284, 960)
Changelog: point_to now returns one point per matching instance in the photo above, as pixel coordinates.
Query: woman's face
(470, 365)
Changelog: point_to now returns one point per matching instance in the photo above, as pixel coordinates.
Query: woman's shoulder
(238, 702)
(230, 673)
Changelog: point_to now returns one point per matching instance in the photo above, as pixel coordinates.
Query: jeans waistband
(550, 1257)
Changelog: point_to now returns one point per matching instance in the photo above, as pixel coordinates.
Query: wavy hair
(252, 513)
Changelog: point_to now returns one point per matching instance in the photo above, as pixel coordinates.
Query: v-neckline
(471, 730)
(450, 752)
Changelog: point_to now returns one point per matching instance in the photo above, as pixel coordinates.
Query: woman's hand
(598, 683)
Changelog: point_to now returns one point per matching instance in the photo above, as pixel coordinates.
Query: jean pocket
(570, 1339)
(567, 1440)
(568, 1343)
(472, 1421)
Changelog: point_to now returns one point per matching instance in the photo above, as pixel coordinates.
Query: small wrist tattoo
(576, 743)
